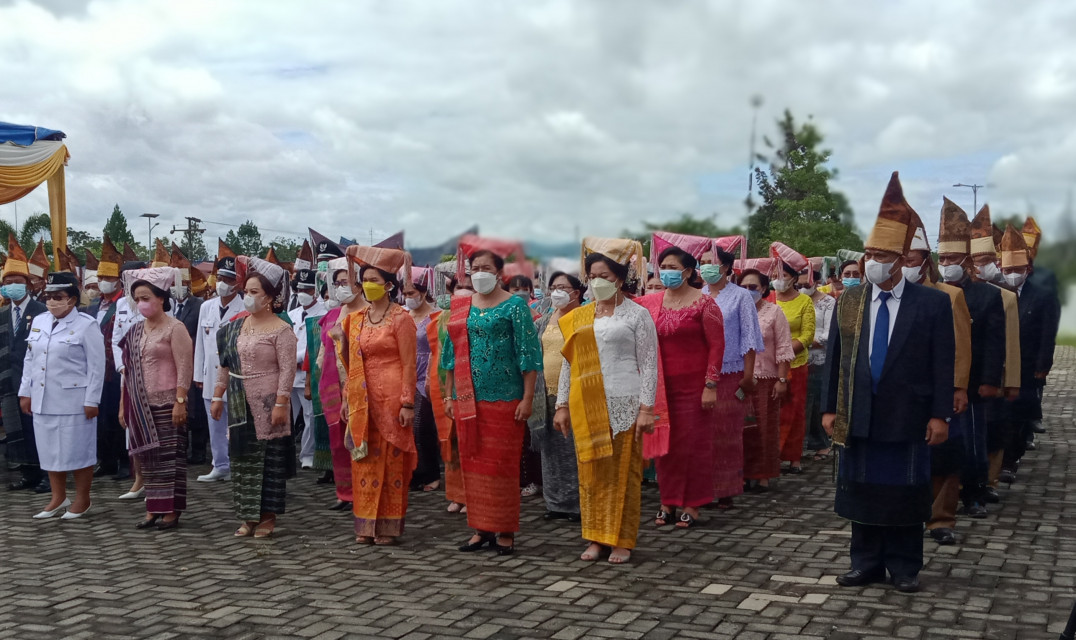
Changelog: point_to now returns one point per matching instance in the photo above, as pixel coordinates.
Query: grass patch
(1066, 339)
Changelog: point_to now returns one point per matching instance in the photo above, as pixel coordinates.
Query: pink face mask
(147, 308)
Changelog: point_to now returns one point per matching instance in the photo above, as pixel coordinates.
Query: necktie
(223, 310)
(18, 317)
(881, 339)
(54, 323)
(179, 308)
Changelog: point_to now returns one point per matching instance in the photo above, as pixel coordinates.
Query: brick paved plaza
(763, 570)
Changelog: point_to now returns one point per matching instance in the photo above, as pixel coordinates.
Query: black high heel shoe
(483, 540)
(146, 524)
(503, 550)
(165, 525)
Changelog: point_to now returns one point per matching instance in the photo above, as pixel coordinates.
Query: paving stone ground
(762, 571)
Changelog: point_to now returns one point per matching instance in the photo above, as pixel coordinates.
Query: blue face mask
(755, 295)
(538, 294)
(14, 292)
(672, 278)
(850, 282)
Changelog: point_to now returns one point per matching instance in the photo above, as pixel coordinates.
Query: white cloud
(530, 118)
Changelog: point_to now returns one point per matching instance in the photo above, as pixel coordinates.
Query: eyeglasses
(562, 287)
(752, 287)
(60, 297)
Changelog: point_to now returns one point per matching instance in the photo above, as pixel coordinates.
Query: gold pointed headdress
(892, 230)
(621, 250)
(1014, 249)
(982, 234)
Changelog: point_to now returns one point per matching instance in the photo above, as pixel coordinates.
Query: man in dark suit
(185, 308)
(887, 396)
(17, 315)
(1040, 313)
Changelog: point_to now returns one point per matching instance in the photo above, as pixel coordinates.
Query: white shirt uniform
(299, 401)
(126, 317)
(206, 356)
(64, 372)
(298, 317)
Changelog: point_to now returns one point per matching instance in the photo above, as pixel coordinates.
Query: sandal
(619, 556)
(245, 530)
(663, 517)
(384, 541)
(454, 507)
(364, 540)
(591, 553)
(686, 521)
(265, 529)
(432, 486)
(474, 545)
(503, 550)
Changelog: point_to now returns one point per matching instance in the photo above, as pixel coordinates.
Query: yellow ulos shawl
(586, 400)
(350, 355)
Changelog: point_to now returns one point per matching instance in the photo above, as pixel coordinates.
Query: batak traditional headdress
(1032, 236)
(17, 263)
(982, 234)
(109, 265)
(621, 250)
(892, 230)
(954, 233)
(1014, 249)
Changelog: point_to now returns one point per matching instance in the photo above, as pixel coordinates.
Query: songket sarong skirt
(259, 478)
(380, 483)
(728, 438)
(491, 468)
(794, 416)
(761, 434)
(164, 468)
(610, 493)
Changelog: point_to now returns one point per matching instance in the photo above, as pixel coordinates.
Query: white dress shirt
(298, 317)
(894, 306)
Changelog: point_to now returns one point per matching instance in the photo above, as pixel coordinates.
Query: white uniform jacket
(64, 368)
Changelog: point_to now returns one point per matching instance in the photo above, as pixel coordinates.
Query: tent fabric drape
(31, 175)
(22, 169)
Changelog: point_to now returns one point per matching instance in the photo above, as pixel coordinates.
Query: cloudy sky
(531, 118)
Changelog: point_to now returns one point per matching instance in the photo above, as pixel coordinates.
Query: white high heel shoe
(51, 513)
(71, 515)
(133, 495)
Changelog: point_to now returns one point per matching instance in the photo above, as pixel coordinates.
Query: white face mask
(412, 303)
(180, 293)
(305, 299)
(989, 272)
(1015, 279)
(107, 287)
(780, 286)
(809, 291)
(560, 299)
(250, 303)
(484, 282)
(878, 272)
(223, 289)
(344, 295)
(93, 294)
(912, 274)
(951, 272)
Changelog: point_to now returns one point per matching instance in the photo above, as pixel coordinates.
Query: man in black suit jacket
(887, 396)
(21, 446)
(185, 308)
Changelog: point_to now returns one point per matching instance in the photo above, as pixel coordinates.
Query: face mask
(603, 289)
(223, 289)
(989, 272)
(850, 282)
(484, 282)
(755, 295)
(180, 293)
(305, 299)
(780, 286)
(413, 303)
(107, 287)
(93, 294)
(524, 294)
(147, 308)
(1015, 279)
(14, 292)
(951, 272)
(331, 304)
(672, 278)
(711, 273)
(373, 291)
(809, 291)
(444, 302)
(344, 294)
(912, 274)
(878, 272)
(250, 303)
(58, 308)
(560, 298)
(538, 294)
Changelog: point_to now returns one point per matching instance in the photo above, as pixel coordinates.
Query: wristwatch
(181, 400)
(783, 380)
(710, 384)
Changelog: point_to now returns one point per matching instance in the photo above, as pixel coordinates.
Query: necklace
(370, 314)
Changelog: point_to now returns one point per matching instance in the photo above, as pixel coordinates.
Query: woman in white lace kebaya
(606, 396)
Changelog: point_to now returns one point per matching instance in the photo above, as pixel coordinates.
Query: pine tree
(117, 230)
(247, 241)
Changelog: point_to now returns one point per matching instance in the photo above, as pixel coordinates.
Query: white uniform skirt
(65, 442)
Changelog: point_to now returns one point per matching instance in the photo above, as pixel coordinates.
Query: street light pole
(974, 195)
(756, 102)
(150, 226)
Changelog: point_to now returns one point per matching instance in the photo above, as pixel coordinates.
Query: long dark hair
(687, 260)
(498, 261)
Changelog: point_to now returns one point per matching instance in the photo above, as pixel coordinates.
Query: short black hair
(846, 264)
(726, 259)
(521, 282)
(817, 276)
(576, 283)
(685, 259)
(498, 261)
(164, 296)
(763, 279)
(790, 270)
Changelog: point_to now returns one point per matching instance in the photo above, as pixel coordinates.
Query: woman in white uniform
(63, 374)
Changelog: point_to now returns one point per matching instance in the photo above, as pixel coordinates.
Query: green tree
(193, 247)
(79, 241)
(38, 225)
(246, 241)
(117, 230)
(798, 207)
(286, 248)
(686, 224)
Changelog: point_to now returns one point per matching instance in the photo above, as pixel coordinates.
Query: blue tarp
(25, 135)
